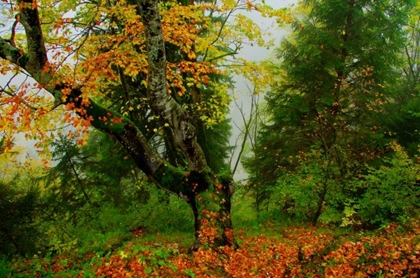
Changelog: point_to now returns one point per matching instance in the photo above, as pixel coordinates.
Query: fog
(242, 87)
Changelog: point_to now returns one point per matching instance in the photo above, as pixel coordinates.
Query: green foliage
(336, 73)
(385, 194)
(106, 232)
(18, 227)
(403, 112)
(4, 266)
(390, 191)
(89, 175)
(244, 214)
(315, 190)
(166, 214)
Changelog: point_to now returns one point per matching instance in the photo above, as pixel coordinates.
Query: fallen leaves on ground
(296, 252)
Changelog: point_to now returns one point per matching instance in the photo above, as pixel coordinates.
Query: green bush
(386, 193)
(390, 191)
(4, 270)
(314, 191)
(165, 213)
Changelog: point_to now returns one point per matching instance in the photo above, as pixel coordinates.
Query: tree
(336, 74)
(85, 179)
(145, 73)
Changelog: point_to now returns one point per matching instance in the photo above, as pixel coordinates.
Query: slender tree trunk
(320, 204)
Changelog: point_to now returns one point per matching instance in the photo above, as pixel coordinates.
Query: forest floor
(297, 251)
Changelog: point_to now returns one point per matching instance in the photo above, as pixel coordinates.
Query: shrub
(390, 191)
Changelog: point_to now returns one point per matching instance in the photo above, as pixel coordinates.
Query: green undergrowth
(154, 241)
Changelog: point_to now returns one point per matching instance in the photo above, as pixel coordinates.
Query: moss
(107, 120)
(225, 177)
(172, 178)
(13, 54)
(202, 180)
(208, 201)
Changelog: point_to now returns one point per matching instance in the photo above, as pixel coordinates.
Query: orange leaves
(117, 267)
(260, 257)
(181, 24)
(61, 22)
(196, 72)
(21, 107)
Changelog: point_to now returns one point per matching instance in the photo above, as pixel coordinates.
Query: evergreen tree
(337, 70)
(85, 179)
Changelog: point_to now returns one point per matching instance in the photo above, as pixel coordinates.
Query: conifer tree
(336, 69)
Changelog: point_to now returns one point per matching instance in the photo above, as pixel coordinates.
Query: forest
(116, 153)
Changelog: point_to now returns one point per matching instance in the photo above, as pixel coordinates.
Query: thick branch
(12, 54)
(37, 52)
(116, 125)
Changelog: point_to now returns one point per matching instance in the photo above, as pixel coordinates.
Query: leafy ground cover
(296, 251)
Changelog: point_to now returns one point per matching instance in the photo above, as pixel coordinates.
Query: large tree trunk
(208, 196)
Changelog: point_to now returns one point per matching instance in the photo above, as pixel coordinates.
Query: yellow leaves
(228, 5)
(191, 55)
(248, 28)
(123, 255)
(282, 16)
(262, 75)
